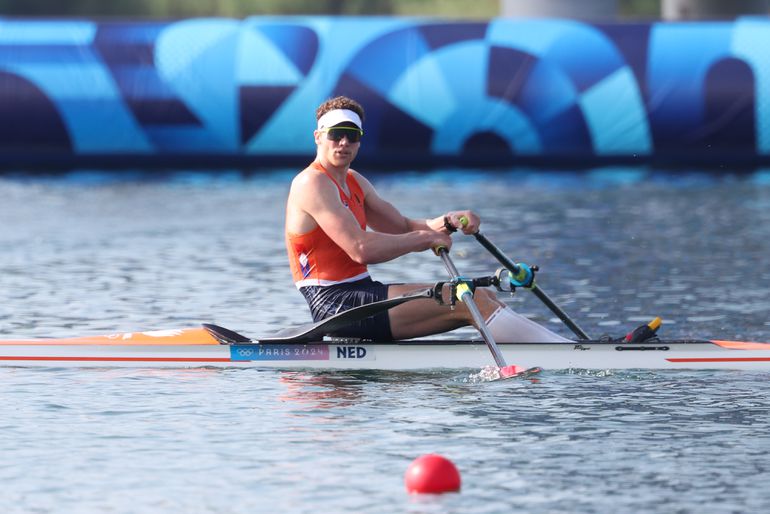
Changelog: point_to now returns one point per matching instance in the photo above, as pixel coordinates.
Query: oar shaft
(560, 313)
(467, 298)
(450, 266)
(481, 325)
(508, 263)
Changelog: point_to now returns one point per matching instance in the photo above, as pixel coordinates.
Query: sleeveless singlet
(315, 259)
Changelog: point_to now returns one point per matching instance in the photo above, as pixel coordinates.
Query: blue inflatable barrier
(507, 91)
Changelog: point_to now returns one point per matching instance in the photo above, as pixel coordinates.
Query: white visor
(337, 116)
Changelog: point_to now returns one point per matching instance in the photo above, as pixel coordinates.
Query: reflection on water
(319, 390)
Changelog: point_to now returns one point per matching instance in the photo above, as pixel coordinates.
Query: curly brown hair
(340, 102)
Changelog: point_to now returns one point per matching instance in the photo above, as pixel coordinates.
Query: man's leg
(426, 317)
(508, 326)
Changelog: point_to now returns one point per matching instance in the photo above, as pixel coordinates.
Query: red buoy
(432, 474)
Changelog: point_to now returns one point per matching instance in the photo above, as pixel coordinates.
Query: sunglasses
(337, 133)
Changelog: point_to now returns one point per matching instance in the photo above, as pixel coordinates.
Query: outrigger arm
(524, 277)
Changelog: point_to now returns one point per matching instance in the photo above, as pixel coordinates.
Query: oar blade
(514, 371)
(495, 374)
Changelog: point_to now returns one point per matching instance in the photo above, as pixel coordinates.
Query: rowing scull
(199, 347)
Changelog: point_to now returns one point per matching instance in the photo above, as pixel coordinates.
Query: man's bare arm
(382, 216)
(319, 198)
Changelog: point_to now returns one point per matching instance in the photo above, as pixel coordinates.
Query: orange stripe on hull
(119, 359)
(189, 336)
(741, 345)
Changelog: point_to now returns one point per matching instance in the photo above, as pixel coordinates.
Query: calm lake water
(93, 253)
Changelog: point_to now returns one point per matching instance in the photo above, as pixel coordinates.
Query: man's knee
(487, 301)
(486, 296)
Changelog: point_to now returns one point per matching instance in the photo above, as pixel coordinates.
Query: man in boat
(328, 211)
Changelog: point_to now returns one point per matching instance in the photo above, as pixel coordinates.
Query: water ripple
(88, 255)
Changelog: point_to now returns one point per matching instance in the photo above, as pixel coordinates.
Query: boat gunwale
(161, 343)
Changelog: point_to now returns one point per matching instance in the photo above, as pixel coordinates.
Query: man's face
(338, 153)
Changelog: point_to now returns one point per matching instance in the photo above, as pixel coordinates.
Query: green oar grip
(450, 227)
(461, 289)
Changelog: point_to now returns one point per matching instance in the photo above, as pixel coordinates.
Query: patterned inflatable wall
(498, 92)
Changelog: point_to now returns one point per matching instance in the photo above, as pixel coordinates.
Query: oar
(515, 269)
(465, 295)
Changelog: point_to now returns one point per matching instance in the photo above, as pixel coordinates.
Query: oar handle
(439, 249)
(451, 228)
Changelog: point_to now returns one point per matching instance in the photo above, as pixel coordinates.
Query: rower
(329, 208)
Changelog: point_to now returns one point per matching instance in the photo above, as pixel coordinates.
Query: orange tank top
(315, 259)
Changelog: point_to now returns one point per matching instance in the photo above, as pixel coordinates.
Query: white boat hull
(387, 356)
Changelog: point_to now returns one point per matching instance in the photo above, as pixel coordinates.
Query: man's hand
(434, 239)
(455, 220)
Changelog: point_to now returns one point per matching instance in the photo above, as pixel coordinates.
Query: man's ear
(317, 136)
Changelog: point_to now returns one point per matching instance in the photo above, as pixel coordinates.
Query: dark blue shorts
(325, 301)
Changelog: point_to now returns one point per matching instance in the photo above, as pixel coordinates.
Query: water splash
(485, 374)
